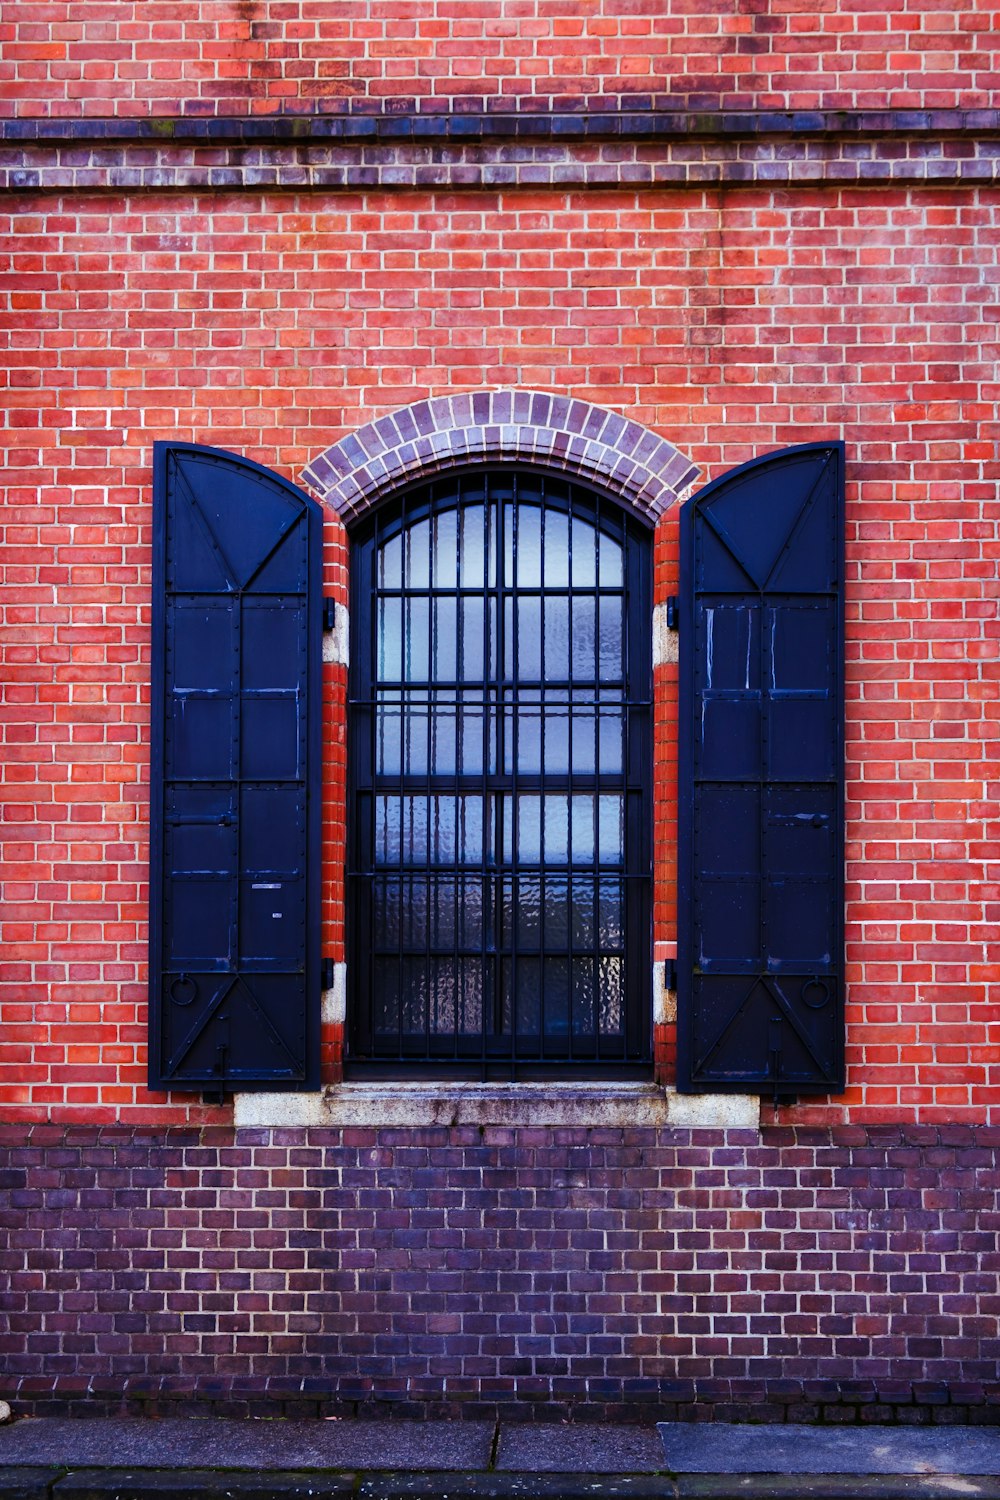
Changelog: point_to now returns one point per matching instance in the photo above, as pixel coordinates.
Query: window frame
(418, 498)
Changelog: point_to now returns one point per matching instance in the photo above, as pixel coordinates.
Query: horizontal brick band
(411, 149)
(522, 1272)
(478, 119)
(632, 462)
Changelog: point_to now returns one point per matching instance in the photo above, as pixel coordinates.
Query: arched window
(500, 753)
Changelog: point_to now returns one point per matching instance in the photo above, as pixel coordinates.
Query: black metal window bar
(500, 758)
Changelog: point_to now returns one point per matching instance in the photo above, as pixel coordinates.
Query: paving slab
(510, 1486)
(718, 1448)
(198, 1484)
(218, 1443)
(837, 1487)
(26, 1484)
(584, 1449)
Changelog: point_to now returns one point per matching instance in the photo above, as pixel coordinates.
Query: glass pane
(474, 632)
(386, 976)
(387, 734)
(418, 555)
(473, 547)
(556, 549)
(390, 563)
(584, 626)
(529, 996)
(555, 996)
(612, 612)
(527, 528)
(584, 539)
(474, 757)
(446, 549)
(556, 721)
(610, 830)
(445, 639)
(523, 896)
(418, 643)
(556, 829)
(443, 734)
(389, 647)
(611, 999)
(611, 913)
(583, 830)
(436, 830)
(584, 990)
(611, 571)
(556, 641)
(612, 739)
(556, 908)
(526, 724)
(524, 643)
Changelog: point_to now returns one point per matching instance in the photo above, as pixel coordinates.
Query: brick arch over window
(628, 460)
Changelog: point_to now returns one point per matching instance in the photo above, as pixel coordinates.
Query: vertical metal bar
(487, 887)
(515, 824)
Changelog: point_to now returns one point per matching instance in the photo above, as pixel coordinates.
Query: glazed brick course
(844, 1275)
(728, 322)
(67, 57)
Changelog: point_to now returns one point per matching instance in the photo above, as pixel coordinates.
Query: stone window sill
(611, 1105)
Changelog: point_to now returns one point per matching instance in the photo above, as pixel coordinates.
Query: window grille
(499, 744)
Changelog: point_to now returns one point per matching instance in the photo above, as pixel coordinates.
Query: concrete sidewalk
(180, 1459)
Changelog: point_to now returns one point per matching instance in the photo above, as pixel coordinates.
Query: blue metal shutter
(760, 934)
(235, 804)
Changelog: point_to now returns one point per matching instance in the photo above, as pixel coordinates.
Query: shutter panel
(760, 938)
(235, 803)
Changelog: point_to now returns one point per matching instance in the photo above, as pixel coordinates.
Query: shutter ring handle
(187, 987)
(816, 983)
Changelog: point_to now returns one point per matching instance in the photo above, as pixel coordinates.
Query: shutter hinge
(670, 974)
(673, 613)
(329, 612)
(326, 974)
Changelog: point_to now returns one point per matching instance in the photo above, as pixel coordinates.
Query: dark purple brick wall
(803, 1274)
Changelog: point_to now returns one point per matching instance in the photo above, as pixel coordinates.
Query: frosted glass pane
(437, 830)
(611, 995)
(390, 564)
(445, 639)
(528, 643)
(473, 573)
(473, 658)
(584, 628)
(443, 734)
(556, 640)
(583, 996)
(556, 740)
(555, 996)
(389, 647)
(556, 549)
(584, 539)
(610, 563)
(612, 739)
(583, 829)
(610, 834)
(446, 549)
(557, 913)
(417, 657)
(556, 829)
(612, 612)
(528, 547)
(418, 555)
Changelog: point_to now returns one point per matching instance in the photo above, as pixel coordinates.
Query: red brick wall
(99, 57)
(732, 322)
